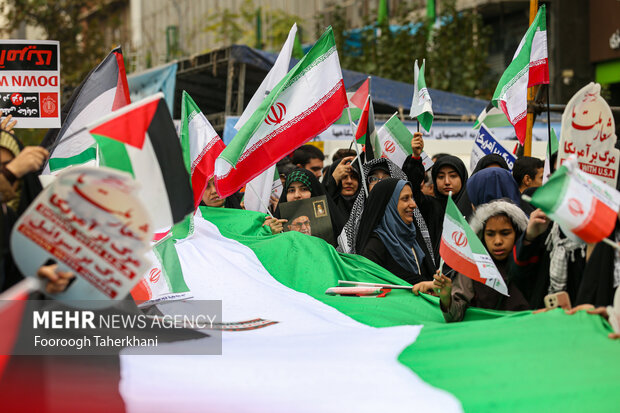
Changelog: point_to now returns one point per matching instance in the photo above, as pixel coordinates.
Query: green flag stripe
(114, 154)
(549, 196)
(400, 133)
(167, 255)
(533, 370)
(88, 155)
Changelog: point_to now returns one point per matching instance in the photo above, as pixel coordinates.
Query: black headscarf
(460, 169)
(344, 203)
(397, 236)
(316, 189)
(490, 159)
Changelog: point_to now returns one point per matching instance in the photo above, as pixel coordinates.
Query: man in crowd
(528, 172)
(311, 158)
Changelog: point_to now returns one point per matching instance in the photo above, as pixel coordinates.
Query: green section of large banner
(492, 361)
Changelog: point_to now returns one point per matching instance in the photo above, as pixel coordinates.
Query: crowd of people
(393, 215)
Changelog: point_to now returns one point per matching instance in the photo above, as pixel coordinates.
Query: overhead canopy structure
(223, 81)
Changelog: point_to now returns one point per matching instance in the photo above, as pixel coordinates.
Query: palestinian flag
(201, 146)
(394, 140)
(580, 203)
(359, 97)
(529, 67)
(463, 251)
(305, 103)
(141, 139)
(552, 147)
(381, 352)
(492, 117)
(366, 133)
(103, 91)
(421, 103)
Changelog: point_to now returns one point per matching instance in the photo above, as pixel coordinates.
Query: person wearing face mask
(498, 224)
(303, 184)
(388, 235)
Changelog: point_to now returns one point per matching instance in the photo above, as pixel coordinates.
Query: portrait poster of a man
(308, 216)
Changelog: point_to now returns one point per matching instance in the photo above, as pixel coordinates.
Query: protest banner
(588, 132)
(308, 216)
(30, 82)
(89, 221)
(486, 144)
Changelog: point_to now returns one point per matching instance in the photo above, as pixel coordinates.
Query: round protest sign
(88, 221)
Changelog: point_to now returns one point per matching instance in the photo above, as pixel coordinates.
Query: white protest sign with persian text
(89, 221)
(30, 82)
(588, 132)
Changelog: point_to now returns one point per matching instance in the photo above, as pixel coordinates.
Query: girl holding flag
(498, 224)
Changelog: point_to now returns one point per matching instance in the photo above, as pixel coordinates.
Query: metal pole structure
(531, 94)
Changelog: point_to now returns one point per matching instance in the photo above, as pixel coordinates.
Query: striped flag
(421, 103)
(529, 67)
(141, 140)
(394, 141)
(463, 251)
(580, 203)
(305, 103)
(366, 133)
(201, 146)
(104, 90)
(259, 190)
(492, 117)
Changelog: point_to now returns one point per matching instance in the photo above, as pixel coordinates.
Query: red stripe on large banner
(299, 131)
(599, 223)
(458, 262)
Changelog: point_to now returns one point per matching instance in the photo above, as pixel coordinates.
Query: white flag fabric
(259, 190)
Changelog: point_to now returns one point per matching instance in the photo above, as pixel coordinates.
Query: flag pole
(260, 199)
(531, 92)
(357, 151)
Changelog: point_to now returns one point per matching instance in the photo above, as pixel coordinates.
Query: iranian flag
(141, 140)
(463, 251)
(260, 189)
(103, 91)
(580, 203)
(305, 103)
(201, 146)
(529, 67)
(296, 349)
(421, 103)
(394, 140)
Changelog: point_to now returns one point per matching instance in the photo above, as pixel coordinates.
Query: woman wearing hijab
(343, 184)
(491, 160)
(490, 184)
(388, 235)
(448, 175)
(303, 184)
(376, 171)
(498, 224)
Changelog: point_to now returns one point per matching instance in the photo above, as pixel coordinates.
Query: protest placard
(30, 82)
(588, 132)
(486, 144)
(89, 221)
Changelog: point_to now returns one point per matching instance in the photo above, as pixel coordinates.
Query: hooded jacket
(467, 292)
